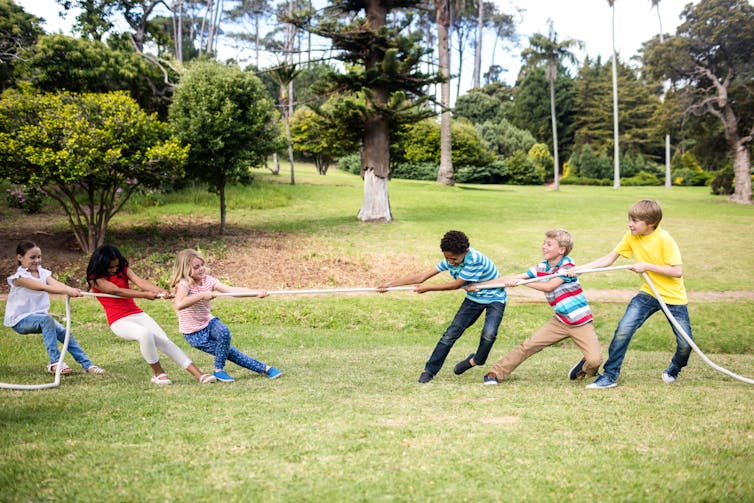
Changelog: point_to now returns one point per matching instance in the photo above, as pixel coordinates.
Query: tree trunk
(221, 192)
(616, 146)
(375, 168)
(478, 46)
(445, 174)
(275, 164)
(556, 162)
(376, 207)
(742, 173)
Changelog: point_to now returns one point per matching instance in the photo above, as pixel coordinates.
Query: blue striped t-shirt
(475, 268)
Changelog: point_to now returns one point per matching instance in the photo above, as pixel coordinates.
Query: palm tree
(668, 181)
(552, 53)
(616, 147)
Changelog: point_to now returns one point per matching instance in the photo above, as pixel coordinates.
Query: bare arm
(452, 285)
(672, 271)
(111, 288)
(147, 286)
(52, 286)
(222, 287)
(411, 279)
(605, 261)
(498, 283)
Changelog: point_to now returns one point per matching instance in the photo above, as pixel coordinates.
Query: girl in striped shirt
(194, 290)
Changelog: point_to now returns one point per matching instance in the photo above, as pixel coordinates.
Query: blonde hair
(646, 210)
(182, 266)
(563, 237)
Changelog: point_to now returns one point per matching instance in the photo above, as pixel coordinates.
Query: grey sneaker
(425, 377)
(602, 382)
(671, 374)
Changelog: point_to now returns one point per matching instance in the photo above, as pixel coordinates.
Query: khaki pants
(550, 333)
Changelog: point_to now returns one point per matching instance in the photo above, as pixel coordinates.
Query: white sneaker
(669, 379)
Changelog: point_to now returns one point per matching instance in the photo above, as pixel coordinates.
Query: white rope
(557, 274)
(59, 367)
(688, 339)
(324, 290)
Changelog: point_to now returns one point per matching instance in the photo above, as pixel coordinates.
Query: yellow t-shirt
(658, 248)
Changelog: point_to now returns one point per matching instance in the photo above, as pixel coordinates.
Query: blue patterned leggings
(215, 340)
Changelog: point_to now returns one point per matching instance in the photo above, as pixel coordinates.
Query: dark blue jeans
(641, 307)
(467, 314)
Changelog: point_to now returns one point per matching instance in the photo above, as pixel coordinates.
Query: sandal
(95, 370)
(161, 379)
(64, 368)
(207, 378)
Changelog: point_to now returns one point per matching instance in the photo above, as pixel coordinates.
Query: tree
(552, 53)
(381, 62)
(711, 57)
(227, 118)
(616, 145)
(442, 19)
(18, 30)
(89, 152)
(668, 181)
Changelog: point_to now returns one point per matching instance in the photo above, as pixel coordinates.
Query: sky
(589, 21)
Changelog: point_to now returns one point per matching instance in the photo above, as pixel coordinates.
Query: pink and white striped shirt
(197, 316)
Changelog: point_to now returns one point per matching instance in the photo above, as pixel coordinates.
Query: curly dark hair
(454, 242)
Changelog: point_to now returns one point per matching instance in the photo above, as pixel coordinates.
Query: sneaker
(602, 382)
(222, 376)
(463, 365)
(273, 373)
(577, 372)
(491, 379)
(425, 377)
(671, 374)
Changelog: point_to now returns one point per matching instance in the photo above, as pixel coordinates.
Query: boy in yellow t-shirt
(656, 253)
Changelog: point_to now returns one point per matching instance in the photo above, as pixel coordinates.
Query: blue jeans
(215, 340)
(467, 314)
(52, 332)
(641, 307)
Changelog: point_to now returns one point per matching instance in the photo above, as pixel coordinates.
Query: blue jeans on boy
(467, 314)
(641, 307)
(52, 332)
(215, 340)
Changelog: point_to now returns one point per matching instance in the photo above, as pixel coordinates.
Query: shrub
(582, 180)
(722, 183)
(522, 170)
(642, 178)
(414, 170)
(26, 198)
(350, 163)
(496, 172)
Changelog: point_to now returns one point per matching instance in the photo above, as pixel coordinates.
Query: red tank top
(116, 309)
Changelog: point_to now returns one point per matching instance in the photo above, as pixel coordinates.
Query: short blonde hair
(563, 237)
(182, 266)
(646, 210)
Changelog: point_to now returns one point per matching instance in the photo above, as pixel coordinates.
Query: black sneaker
(463, 365)
(425, 377)
(577, 372)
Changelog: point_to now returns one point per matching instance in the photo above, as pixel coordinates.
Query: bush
(642, 178)
(582, 180)
(497, 172)
(722, 183)
(350, 163)
(26, 198)
(522, 170)
(414, 171)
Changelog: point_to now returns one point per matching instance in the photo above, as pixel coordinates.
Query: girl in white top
(194, 289)
(28, 304)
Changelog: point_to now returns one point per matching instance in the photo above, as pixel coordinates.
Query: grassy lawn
(347, 420)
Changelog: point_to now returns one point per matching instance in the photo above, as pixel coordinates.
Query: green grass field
(348, 422)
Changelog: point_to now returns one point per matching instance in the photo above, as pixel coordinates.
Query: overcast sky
(587, 20)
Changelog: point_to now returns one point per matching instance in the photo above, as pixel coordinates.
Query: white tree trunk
(616, 147)
(376, 205)
(742, 172)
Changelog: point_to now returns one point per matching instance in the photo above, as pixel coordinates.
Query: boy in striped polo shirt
(572, 317)
(465, 265)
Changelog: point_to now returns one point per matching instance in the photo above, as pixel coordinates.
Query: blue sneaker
(222, 376)
(490, 379)
(273, 373)
(577, 372)
(602, 382)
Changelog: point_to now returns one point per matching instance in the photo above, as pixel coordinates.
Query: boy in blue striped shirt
(572, 317)
(465, 265)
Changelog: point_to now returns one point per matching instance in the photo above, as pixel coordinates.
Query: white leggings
(142, 328)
